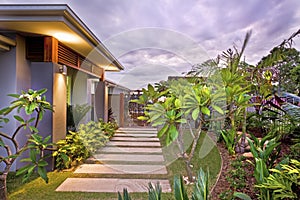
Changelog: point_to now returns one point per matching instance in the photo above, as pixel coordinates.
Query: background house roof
(59, 21)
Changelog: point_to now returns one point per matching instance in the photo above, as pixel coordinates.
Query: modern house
(48, 46)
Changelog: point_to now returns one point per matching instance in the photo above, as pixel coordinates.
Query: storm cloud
(156, 39)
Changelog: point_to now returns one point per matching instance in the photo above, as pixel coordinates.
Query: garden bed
(222, 185)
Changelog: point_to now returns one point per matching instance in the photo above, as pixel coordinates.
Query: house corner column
(59, 122)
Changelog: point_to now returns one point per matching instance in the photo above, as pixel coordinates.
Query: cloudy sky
(161, 38)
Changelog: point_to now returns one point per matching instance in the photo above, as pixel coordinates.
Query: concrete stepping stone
(121, 169)
(130, 150)
(135, 139)
(110, 185)
(137, 129)
(133, 144)
(129, 157)
(139, 135)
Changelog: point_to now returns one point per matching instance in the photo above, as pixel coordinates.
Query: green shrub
(70, 151)
(92, 135)
(79, 145)
(108, 128)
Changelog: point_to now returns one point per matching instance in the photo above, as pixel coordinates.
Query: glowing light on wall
(66, 37)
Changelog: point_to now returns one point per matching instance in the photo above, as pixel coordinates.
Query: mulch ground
(223, 185)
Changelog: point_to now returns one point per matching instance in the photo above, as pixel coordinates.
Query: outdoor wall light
(63, 69)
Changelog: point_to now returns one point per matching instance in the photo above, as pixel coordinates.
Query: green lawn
(206, 156)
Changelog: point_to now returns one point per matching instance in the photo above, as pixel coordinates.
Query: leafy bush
(92, 135)
(70, 151)
(108, 128)
(79, 145)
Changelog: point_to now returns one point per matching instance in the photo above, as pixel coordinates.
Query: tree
(181, 103)
(29, 109)
(295, 76)
(280, 62)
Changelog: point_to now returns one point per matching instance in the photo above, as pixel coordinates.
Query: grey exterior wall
(42, 77)
(101, 101)
(114, 104)
(8, 83)
(15, 76)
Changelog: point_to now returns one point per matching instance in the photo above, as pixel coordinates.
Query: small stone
(248, 155)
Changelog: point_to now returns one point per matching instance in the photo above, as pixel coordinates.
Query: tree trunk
(189, 170)
(3, 188)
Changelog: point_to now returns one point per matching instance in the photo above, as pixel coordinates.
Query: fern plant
(284, 182)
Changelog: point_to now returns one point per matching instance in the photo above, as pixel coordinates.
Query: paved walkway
(131, 160)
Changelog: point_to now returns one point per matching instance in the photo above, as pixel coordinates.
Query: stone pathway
(131, 160)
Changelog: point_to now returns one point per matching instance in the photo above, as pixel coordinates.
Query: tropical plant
(25, 105)
(109, 128)
(79, 112)
(183, 103)
(154, 192)
(201, 189)
(241, 195)
(78, 146)
(92, 136)
(179, 189)
(110, 114)
(230, 137)
(125, 195)
(283, 183)
(233, 81)
(295, 74)
(263, 149)
(70, 151)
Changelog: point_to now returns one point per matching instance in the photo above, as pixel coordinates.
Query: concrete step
(115, 149)
(140, 129)
(121, 169)
(110, 185)
(140, 135)
(134, 139)
(133, 144)
(129, 157)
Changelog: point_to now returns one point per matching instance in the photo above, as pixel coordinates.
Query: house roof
(59, 21)
(112, 84)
